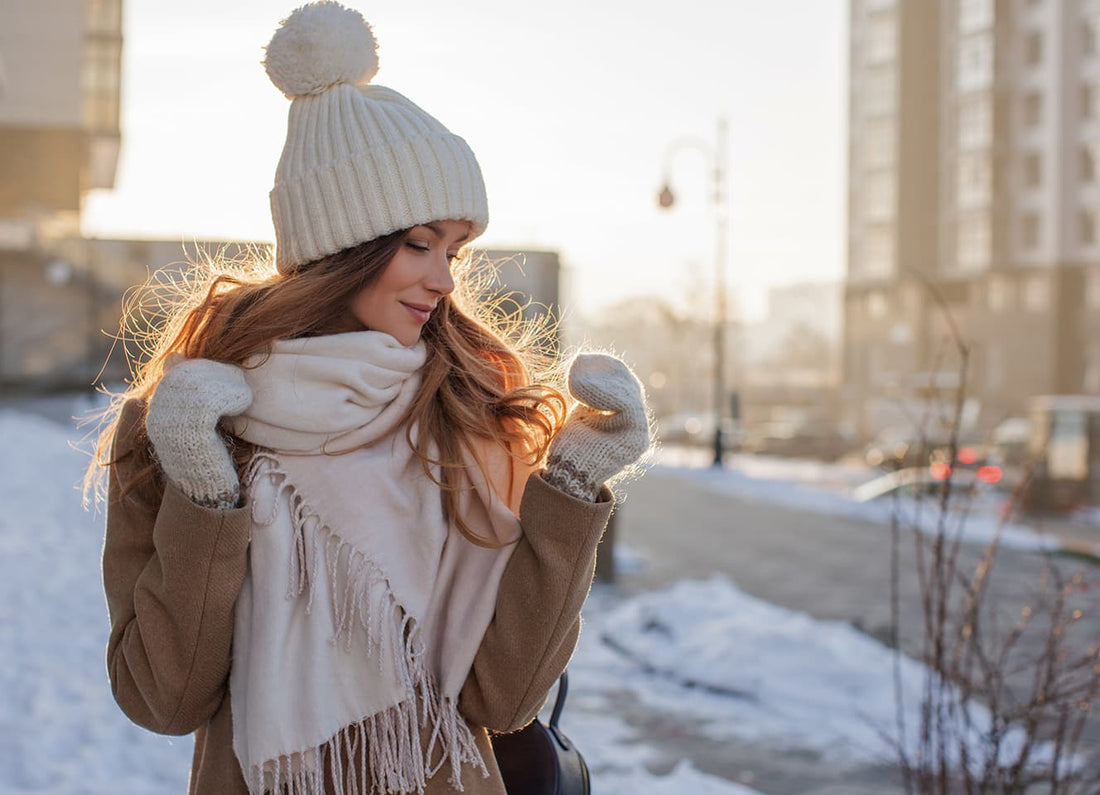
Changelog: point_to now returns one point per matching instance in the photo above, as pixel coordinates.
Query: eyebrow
(439, 232)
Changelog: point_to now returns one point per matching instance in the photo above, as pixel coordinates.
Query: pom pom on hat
(321, 45)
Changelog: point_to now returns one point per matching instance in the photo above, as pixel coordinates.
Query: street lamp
(665, 199)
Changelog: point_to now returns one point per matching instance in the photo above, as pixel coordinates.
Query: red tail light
(940, 470)
(990, 474)
(968, 455)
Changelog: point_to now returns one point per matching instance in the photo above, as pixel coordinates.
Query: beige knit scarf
(363, 607)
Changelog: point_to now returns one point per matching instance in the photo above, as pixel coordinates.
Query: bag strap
(559, 701)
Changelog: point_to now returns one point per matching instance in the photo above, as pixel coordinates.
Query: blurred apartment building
(797, 341)
(60, 80)
(974, 195)
(60, 293)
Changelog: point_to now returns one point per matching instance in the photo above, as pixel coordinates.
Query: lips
(419, 311)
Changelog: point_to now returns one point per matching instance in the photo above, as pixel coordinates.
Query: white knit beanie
(360, 161)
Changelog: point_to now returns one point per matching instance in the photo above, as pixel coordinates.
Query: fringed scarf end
(379, 754)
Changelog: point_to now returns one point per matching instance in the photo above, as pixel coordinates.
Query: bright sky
(570, 107)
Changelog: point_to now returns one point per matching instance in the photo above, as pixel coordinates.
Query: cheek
(364, 304)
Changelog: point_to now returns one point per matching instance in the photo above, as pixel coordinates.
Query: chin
(407, 339)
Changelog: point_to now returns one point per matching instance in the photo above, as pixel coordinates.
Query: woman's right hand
(182, 424)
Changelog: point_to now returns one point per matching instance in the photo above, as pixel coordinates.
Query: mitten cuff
(566, 475)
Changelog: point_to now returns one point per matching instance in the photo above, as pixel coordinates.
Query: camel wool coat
(172, 571)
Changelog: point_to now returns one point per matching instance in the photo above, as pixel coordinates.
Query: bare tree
(1006, 699)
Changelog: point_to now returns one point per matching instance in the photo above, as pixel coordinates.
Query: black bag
(540, 759)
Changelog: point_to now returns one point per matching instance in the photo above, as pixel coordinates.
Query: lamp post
(717, 155)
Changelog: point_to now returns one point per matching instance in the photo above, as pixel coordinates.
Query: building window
(879, 91)
(879, 196)
(103, 16)
(1092, 288)
(1088, 101)
(1033, 169)
(1088, 163)
(1033, 109)
(1001, 295)
(1036, 293)
(1091, 380)
(878, 143)
(1033, 48)
(1088, 228)
(1029, 231)
(975, 62)
(973, 180)
(878, 252)
(1088, 37)
(973, 241)
(881, 39)
(975, 15)
(975, 122)
(101, 78)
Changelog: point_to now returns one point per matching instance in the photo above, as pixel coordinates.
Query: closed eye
(416, 246)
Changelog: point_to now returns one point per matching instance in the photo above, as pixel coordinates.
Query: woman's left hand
(605, 432)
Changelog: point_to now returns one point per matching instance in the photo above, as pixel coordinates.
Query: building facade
(60, 87)
(974, 203)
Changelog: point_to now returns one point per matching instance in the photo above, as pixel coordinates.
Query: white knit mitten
(182, 423)
(605, 432)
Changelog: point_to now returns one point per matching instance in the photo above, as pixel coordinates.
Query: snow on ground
(683, 779)
(751, 670)
(819, 487)
(734, 667)
(60, 730)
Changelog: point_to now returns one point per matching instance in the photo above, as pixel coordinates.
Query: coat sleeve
(171, 571)
(537, 621)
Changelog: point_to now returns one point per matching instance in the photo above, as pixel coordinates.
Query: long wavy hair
(488, 375)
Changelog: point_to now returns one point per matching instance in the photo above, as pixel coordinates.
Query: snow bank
(756, 671)
(681, 780)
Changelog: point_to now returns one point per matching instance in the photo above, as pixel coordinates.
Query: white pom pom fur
(318, 46)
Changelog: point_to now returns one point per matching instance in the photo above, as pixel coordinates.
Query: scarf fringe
(377, 754)
(382, 752)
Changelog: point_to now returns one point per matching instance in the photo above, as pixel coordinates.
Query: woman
(346, 533)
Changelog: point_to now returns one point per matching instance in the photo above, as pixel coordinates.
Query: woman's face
(401, 300)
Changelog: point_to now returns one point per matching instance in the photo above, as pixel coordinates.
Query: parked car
(929, 481)
(898, 447)
(903, 447)
(797, 440)
(1064, 454)
(1010, 441)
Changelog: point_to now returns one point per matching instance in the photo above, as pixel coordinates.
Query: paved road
(831, 567)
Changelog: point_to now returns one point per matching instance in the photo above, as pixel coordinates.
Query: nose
(439, 278)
